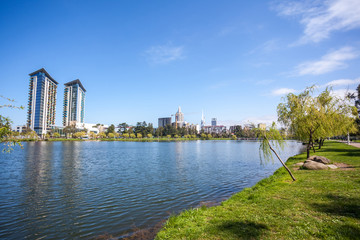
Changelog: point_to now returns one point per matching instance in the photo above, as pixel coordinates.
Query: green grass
(319, 205)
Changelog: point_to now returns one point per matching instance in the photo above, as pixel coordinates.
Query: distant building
(235, 128)
(202, 124)
(42, 101)
(162, 122)
(213, 122)
(74, 103)
(91, 127)
(214, 129)
(262, 126)
(249, 126)
(20, 129)
(179, 118)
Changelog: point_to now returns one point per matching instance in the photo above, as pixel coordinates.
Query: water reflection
(78, 190)
(38, 183)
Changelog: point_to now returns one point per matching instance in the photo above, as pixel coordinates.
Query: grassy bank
(320, 204)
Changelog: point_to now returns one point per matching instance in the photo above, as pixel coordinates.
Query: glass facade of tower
(42, 101)
(74, 103)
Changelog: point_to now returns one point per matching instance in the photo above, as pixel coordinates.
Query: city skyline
(141, 60)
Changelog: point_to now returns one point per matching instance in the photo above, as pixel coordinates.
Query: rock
(299, 164)
(319, 159)
(332, 166)
(312, 158)
(312, 165)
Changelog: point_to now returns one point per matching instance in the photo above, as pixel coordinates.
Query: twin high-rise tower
(74, 103)
(42, 102)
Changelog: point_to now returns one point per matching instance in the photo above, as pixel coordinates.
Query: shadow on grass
(348, 231)
(243, 229)
(346, 151)
(340, 206)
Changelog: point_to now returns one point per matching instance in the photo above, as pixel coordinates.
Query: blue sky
(140, 60)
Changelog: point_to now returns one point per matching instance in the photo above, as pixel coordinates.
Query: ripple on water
(68, 190)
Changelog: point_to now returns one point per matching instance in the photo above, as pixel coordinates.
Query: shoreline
(254, 218)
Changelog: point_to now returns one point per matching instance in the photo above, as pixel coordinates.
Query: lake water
(67, 190)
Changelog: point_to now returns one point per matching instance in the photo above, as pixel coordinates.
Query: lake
(67, 190)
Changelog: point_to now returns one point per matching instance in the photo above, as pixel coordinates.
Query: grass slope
(319, 205)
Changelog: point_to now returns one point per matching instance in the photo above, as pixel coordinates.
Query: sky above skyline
(140, 60)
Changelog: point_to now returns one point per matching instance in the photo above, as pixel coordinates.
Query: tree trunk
(309, 146)
(313, 146)
(292, 176)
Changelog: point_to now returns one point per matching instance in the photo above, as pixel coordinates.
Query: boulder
(299, 164)
(319, 159)
(312, 165)
(332, 166)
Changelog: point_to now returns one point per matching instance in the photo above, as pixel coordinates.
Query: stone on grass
(319, 159)
(312, 165)
(299, 164)
(332, 166)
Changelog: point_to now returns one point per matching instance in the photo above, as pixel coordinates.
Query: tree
(123, 127)
(233, 137)
(149, 135)
(266, 148)
(111, 135)
(110, 129)
(69, 130)
(126, 135)
(92, 135)
(5, 127)
(56, 135)
(101, 135)
(132, 135)
(79, 134)
(139, 135)
(311, 118)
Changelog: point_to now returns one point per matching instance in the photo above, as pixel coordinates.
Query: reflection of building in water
(38, 183)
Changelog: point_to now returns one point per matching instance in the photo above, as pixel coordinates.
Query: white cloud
(321, 18)
(282, 91)
(330, 62)
(341, 93)
(343, 82)
(164, 54)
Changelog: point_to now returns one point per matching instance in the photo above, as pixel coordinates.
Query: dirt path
(355, 144)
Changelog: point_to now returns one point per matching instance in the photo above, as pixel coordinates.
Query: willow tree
(272, 139)
(5, 126)
(313, 118)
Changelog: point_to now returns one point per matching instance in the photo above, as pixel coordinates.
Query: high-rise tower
(202, 124)
(213, 122)
(179, 118)
(74, 103)
(42, 101)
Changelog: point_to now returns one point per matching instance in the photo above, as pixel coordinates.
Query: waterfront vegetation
(320, 204)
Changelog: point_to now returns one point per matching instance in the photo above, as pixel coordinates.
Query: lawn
(319, 205)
